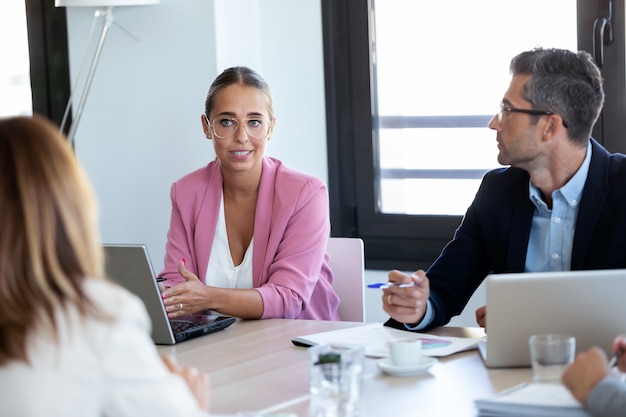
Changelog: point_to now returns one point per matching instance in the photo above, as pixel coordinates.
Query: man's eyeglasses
(225, 127)
(533, 112)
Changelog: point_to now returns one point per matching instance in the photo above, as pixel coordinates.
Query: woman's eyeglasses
(225, 127)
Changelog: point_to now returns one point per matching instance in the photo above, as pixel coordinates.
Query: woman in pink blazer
(247, 235)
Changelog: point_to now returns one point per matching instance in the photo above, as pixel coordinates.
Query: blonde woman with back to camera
(72, 343)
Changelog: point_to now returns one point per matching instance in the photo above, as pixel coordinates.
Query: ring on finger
(389, 299)
(180, 306)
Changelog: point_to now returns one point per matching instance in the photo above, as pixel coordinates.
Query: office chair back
(347, 261)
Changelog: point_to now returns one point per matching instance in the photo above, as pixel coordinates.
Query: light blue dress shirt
(552, 231)
(607, 398)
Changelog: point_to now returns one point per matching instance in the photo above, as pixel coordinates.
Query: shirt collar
(571, 191)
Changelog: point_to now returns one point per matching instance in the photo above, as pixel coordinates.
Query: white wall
(141, 130)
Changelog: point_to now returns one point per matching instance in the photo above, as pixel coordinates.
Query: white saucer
(388, 367)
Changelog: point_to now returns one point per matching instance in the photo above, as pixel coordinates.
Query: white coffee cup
(406, 352)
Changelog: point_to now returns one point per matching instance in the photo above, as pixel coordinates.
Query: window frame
(410, 242)
(49, 59)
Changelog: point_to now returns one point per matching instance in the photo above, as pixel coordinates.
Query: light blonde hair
(238, 75)
(49, 241)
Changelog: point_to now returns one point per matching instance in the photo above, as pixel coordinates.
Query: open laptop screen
(130, 266)
(589, 305)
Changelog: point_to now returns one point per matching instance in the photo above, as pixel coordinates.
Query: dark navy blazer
(493, 236)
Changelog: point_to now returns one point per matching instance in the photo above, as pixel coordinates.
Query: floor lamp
(105, 10)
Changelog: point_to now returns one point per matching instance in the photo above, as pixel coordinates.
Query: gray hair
(566, 83)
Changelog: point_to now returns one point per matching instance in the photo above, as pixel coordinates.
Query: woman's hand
(197, 382)
(185, 298)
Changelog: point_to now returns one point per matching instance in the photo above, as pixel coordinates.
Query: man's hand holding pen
(619, 359)
(591, 366)
(405, 299)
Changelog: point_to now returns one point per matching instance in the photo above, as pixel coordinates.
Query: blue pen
(384, 285)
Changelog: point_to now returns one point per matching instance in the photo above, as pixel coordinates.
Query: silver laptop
(130, 266)
(590, 305)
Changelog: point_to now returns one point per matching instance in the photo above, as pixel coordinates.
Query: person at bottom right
(592, 382)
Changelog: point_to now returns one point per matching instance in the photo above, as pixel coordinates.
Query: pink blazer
(291, 230)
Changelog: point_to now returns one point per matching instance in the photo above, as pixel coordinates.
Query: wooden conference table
(253, 366)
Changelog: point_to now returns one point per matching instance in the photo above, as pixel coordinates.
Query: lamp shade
(102, 3)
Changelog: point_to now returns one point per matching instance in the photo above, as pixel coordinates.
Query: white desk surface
(253, 366)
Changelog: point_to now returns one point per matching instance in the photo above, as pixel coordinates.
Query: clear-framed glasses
(532, 112)
(256, 127)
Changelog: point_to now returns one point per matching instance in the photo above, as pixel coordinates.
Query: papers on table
(532, 399)
(376, 337)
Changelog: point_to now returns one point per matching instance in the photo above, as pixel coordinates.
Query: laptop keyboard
(184, 325)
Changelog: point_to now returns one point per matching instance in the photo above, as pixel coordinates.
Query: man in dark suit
(561, 205)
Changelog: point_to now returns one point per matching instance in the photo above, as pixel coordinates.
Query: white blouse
(98, 368)
(221, 271)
